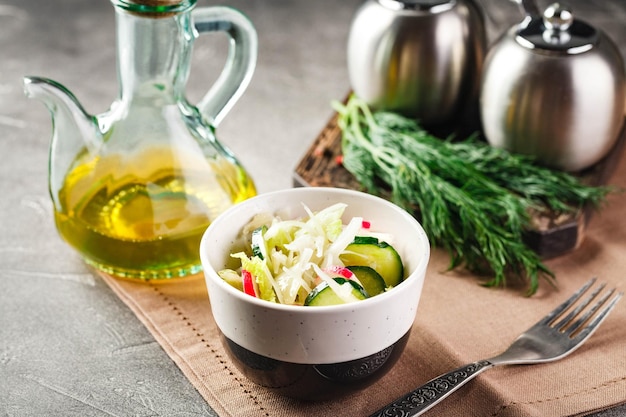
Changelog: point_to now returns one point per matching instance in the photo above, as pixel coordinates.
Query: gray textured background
(68, 345)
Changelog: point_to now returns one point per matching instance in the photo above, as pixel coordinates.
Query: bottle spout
(69, 119)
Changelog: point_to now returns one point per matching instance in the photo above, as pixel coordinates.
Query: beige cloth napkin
(458, 322)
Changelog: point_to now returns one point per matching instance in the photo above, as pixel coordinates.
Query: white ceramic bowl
(282, 346)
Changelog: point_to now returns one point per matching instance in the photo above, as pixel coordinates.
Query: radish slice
(340, 271)
(248, 283)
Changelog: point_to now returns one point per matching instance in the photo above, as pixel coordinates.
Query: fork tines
(573, 326)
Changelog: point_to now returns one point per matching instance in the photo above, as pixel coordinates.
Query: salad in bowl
(316, 260)
(314, 290)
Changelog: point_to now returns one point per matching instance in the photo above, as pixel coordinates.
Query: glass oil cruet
(134, 188)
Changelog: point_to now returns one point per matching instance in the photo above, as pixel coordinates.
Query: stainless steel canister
(421, 58)
(554, 87)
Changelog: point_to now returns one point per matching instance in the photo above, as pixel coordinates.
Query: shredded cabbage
(297, 254)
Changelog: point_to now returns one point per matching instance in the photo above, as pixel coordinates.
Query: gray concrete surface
(68, 345)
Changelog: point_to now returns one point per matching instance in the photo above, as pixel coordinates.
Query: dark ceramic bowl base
(314, 382)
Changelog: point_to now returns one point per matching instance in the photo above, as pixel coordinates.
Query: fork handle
(418, 401)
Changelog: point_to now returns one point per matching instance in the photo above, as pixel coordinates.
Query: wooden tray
(551, 235)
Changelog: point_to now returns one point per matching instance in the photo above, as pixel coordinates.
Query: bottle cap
(154, 8)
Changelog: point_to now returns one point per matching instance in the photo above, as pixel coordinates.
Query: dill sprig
(473, 200)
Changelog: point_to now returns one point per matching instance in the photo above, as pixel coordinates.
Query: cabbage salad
(290, 261)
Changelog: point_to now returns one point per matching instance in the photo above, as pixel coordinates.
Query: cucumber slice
(371, 280)
(323, 295)
(258, 242)
(380, 256)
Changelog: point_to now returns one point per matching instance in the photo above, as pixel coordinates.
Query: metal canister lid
(557, 30)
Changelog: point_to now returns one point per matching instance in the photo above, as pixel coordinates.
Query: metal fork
(546, 341)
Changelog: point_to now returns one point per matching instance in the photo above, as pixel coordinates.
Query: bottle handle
(240, 63)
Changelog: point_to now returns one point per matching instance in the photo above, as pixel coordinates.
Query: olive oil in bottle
(146, 221)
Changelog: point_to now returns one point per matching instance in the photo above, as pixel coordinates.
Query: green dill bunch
(472, 199)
